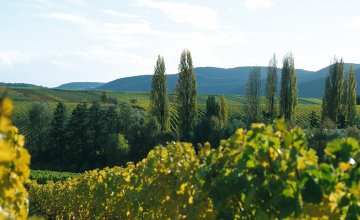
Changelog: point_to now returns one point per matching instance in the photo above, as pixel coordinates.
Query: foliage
(159, 100)
(271, 90)
(104, 98)
(211, 126)
(288, 90)
(57, 134)
(351, 97)
(314, 120)
(252, 107)
(212, 107)
(265, 173)
(224, 115)
(14, 167)
(43, 176)
(186, 96)
(334, 88)
(38, 119)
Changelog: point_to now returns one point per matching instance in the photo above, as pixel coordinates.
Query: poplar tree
(332, 106)
(159, 100)
(351, 96)
(223, 111)
(288, 90)
(212, 107)
(252, 108)
(186, 96)
(57, 132)
(271, 84)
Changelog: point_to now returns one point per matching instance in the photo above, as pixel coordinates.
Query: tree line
(338, 103)
(91, 136)
(96, 136)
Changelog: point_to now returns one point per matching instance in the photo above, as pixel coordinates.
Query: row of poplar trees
(288, 91)
(339, 100)
(185, 92)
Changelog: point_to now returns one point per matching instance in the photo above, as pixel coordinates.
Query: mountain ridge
(216, 80)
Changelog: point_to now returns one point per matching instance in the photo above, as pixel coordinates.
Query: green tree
(104, 97)
(252, 107)
(332, 105)
(79, 137)
(117, 150)
(98, 134)
(58, 132)
(159, 100)
(271, 84)
(351, 96)
(38, 124)
(223, 111)
(288, 91)
(212, 107)
(210, 127)
(186, 96)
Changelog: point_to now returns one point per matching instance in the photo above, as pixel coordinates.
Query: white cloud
(9, 58)
(73, 18)
(354, 23)
(77, 2)
(120, 14)
(255, 4)
(198, 16)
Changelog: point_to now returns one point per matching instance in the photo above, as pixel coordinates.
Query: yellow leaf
(182, 189)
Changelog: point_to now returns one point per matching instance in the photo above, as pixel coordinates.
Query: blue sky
(53, 42)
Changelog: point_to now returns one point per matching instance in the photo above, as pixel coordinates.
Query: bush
(44, 176)
(267, 172)
(14, 167)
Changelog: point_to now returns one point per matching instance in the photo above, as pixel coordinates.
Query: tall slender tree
(271, 84)
(351, 96)
(159, 100)
(288, 90)
(252, 108)
(186, 96)
(212, 107)
(223, 111)
(58, 131)
(332, 106)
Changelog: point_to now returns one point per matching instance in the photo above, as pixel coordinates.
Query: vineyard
(44, 176)
(267, 172)
(264, 173)
(24, 98)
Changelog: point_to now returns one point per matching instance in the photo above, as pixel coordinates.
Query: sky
(50, 42)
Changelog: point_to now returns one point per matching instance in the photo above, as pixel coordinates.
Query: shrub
(14, 167)
(265, 173)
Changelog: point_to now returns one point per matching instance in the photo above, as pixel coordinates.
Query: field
(43, 176)
(24, 97)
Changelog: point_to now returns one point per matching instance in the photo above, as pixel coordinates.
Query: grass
(25, 97)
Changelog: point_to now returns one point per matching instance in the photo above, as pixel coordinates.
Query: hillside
(80, 85)
(22, 85)
(213, 80)
(315, 88)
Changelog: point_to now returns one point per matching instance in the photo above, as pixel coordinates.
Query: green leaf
(344, 201)
(287, 207)
(311, 192)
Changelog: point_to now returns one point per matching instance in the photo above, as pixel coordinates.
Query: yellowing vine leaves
(267, 172)
(14, 167)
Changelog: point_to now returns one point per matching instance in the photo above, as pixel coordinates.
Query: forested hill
(213, 80)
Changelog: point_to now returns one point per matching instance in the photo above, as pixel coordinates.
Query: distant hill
(213, 80)
(80, 85)
(23, 85)
(315, 88)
